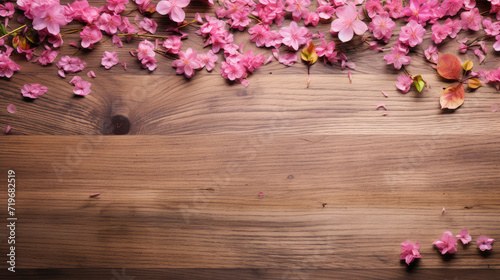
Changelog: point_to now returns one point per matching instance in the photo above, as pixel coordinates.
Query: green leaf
(2, 30)
(419, 82)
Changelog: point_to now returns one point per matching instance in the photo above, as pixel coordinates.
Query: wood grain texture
(343, 185)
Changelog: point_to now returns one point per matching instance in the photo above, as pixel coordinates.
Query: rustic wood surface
(342, 184)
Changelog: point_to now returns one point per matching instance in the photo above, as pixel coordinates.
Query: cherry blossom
(471, 20)
(447, 243)
(485, 242)
(33, 90)
(90, 36)
(404, 83)
(412, 34)
(298, 8)
(116, 6)
(7, 66)
(208, 60)
(7, 10)
(398, 56)
(464, 236)
(109, 23)
(347, 24)
(71, 64)
(419, 11)
(294, 37)
(381, 26)
(260, 34)
(173, 8)
(187, 63)
(431, 53)
(327, 51)
(50, 16)
(173, 44)
(410, 251)
(109, 59)
(149, 25)
(82, 87)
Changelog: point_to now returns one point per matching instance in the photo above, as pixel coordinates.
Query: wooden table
(342, 184)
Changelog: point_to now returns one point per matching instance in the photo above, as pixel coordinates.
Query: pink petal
(7, 130)
(384, 94)
(61, 73)
(359, 27)
(11, 108)
(349, 76)
(381, 105)
(346, 34)
(124, 64)
(91, 74)
(495, 107)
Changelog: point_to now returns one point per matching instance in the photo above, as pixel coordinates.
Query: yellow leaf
(308, 54)
(467, 66)
(474, 83)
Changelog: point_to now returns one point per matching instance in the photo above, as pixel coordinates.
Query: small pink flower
(145, 49)
(116, 6)
(419, 11)
(71, 64)
(464, 236)
(47, 56)
(50, 16)
(7, 66)
(90, 74)
(298, 8)
(208, 60)
(109, 23)
(412, 34)
(11, 108)
(373, 8)
(33, 90)
(233, 71)
(187, 63)
(382, 26)
(90, 36)
(173, 44)
(259, 34)
(347, 24)
(471, 20)
(431, 53)
(398, 56)
(491, 29)
(312, 19)
(7, 10)
(173, 8)
(404, 83)
(447, 243)
(410, 251)
(82, 87)
(149, 25)
(485, 242)
(325, 11)
(294, 37)
(440, 32)
(109, 59)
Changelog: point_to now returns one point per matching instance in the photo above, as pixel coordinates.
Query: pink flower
(187, 63)
(395, 8)
(173, 44)
(439, 33)
(327, 51)
(480, 55)
(325, 11)
(347, 24)
(412, 34)
(233, 71)
(7, 10)
(410, 251)
(109, 59)
(373, 8)
(382, 26)
(260, 34)
(298, 8)
(312, 19)
(431, 53)
(288, 59)
(447, 243)
(451, 7)
(173, 8)
(464, 236)
(7, 66)
(82, 87)
(109, 23)
(116, 6)
(90, 36)
(491, 29)
(294, 37)
(71, 64)
(50, 16)
(145, 49)
(149, 63)
(496, 45)
(471, 20)
(149, 25)
(251, 61)
(208, 60)
(33, 90)
(420, 11)
(485, 242)
(404, 83)
(398, 56)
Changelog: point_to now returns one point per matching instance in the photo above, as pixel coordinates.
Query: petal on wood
(452, 97)
(449, 66)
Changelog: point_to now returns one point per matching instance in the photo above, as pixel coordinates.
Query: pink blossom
(480, 55)
(373, 8)
(116, 41)
(116, 6)
(149, 25)
(56, 41)
(395, 8)
(464, 236)
(145, 49)
(447, 243)
(288, 59)
(374, 46)
(412, 34)
(233, 71)
(410, 251)
(325, 11)
(419, 11)
(11, 108)
(109, 59)
(451, 7)
(274, 39)
(149, 63)
(173, 8)
(259, 34)
(47, 56)
(33, 90)
(431, 53)
(327, 51)
(454, 26)
(126, 27)
(439, 33)
(404, 83)
(251, 61)
(50, 16)
(398, 56)
(491, 29)
(173, 44)
(71, 64)
(82, 87)
(90, 36)
(485, 242)
(90, 74)
(7, 66)
(298, 8)
(7, 10)
(109, 23)
(312, 19)
(269, 11)
(381, 26)
(208, 60)
(471, 20)
(187, 63)
(496, 45)
(347, 24)
(462, 48)
(294, 37)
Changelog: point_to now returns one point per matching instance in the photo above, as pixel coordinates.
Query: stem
(254, 17)
(406, 71)
(13, 31)
(144, 35)
(187, 23)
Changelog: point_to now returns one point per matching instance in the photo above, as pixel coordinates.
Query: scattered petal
(474, 83)
(485, 242)
(91, 74)
(381, 105)
(384, 94)
(124, 64)
(261, 195)
(11, 108)
(7, 130)
(349, 76)
(495, 107)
